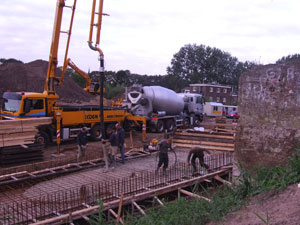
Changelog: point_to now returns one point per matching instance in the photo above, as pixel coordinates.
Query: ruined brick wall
(269, 108)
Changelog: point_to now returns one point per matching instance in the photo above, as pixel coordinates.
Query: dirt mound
(31, 77)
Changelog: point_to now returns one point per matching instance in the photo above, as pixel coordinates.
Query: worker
(163, 146)
(121, 140)
(197, 152)
(82, 141)
(113, 139)
(105, 148)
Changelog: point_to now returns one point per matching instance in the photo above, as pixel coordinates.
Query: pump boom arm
(52, 80)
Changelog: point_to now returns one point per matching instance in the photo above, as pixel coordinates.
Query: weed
(265, 221)
(224, 199)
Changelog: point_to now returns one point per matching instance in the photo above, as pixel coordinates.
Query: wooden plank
(18, 130)
(139, 208)
(207, 180)
(120, 209)
(30, 122)
(85, 218)
(218, 178)
(23, 135)
(224, 130)
(116, 216)
(15, 142)
(2, 177)
(203, 142)
(24, 146)
(159, 201)
(216, 148)
(206, 135)
(140, 196)
(219, 124)
(193, 195)
(14, 178)
(86, 205)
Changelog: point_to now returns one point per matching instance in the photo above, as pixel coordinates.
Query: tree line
(191, 64)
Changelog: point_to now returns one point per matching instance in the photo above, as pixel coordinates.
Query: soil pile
(31, 77)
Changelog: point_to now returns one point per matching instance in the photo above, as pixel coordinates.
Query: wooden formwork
(20, 132)
(68, 201)
(213, 136)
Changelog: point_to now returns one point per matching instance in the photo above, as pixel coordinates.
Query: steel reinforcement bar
(67, 201)
(50, 168)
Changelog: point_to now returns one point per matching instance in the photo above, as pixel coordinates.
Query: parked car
(233, 115)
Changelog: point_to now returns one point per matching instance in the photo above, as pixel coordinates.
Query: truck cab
(17, 105)
(193, 107)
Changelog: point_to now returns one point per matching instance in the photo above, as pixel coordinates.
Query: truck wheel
(170, 125)
(186, 123)
(96, 133)
(197, 121)
(201, 118)
(42, 138)
(160, 126)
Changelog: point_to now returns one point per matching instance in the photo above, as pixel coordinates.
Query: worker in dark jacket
(82, 141)
(121, 140)
(197, 152)
(113, 139)
(163, 146)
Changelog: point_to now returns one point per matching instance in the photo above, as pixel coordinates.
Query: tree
(288, 58)
(203, 64)
(122, 77)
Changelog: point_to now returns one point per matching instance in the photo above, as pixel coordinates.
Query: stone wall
(269, 108)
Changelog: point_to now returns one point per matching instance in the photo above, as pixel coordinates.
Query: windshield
(12, 102)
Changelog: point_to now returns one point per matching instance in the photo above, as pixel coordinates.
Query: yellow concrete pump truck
(67, 120)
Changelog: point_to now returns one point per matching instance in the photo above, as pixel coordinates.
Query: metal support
(58, 120)
(101, 105)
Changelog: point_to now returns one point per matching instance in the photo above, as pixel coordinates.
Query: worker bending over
(197, 152)
(163, 147)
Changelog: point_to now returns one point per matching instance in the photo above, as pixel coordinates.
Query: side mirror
(27, 105)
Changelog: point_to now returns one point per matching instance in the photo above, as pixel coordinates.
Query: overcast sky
(142, 35)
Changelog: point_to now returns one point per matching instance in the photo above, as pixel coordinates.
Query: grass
(224, 200)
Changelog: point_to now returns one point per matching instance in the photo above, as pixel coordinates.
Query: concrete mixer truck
(164, 108)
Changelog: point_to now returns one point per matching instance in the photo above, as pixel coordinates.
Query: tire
(201, 118)
(197, 121)
(42, 138)
(96, 134)
(160, 126)
(186, 122)
(170, 125)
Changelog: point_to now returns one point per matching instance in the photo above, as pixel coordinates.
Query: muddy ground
(282, 209)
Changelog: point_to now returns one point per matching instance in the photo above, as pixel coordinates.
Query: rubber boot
(114, 163)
